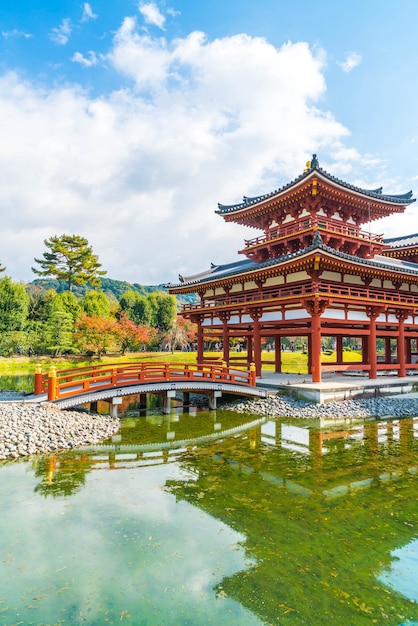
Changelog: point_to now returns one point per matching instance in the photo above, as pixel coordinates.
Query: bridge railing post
(52, 383)
(39, 380)
(252, 377)
(224, 374)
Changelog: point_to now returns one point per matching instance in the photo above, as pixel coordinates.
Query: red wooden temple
(313, 272)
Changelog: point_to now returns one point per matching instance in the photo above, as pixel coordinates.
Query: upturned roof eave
(398, 201)
(405, 268)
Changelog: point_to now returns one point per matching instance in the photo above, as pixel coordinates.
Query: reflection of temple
(321, 508)
(321, 528)
(313, 272)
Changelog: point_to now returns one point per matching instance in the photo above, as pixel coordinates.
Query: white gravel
(285, 406)
(27, 428)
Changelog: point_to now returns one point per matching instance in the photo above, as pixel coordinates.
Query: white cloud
(88, 13)
(61, 34)
(351, 61)
(86, 61)
(139, 172)
(9, 34)
(151, 14)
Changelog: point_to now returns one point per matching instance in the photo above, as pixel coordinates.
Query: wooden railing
(305, 289)
(81, 380)
(303, 225)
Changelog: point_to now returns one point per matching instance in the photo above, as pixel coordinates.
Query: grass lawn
(292, 362)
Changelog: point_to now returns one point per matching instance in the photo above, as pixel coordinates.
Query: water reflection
(22, 383)
(216, 516)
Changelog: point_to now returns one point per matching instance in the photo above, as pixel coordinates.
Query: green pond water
(219, 519)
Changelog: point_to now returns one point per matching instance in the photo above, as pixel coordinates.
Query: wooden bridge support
(186, 401)
(143, 402)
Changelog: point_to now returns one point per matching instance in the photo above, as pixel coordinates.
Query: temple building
(314, 271)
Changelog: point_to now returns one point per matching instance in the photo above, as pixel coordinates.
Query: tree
(58, 332)
(96, 303)
(61, 311)
(131, 335)
(163, 310)
(95, 333)
(70, 258)
(136, 307)
(14, 305)
(181, 334)
(2, 268)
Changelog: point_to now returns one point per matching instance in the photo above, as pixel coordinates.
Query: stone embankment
(27, 428)
(284, 406)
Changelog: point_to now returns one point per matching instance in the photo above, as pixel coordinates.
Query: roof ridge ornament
(312, 164)
(317, 240)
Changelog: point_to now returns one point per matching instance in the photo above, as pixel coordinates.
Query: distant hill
(111, 287)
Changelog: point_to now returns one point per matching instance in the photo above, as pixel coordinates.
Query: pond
(216, 518)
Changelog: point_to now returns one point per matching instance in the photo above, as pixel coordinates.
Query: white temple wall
(350, 279)
(297, 276)
(274, 280)
(334, 276)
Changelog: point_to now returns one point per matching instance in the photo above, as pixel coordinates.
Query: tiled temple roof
(403, 242)
(246, 266)
(402, 199)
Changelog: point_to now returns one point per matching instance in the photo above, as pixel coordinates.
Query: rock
(37, 429)
(284, 406)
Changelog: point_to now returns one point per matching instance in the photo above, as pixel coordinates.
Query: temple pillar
(249, 350)
(200, 342)
(408, 350)
(372, 355)
(339, 349)
(364, 350)
(309, 353)
(401, 344)
(278, 353)
(388, 350)
(256, 314)
(315, 307)
(225, 336)
(316, 347)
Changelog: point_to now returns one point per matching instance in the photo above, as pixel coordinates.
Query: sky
(127, 122)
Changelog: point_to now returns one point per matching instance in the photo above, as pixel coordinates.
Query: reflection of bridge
(109, 382)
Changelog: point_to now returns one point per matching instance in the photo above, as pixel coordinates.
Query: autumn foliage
(98, 334)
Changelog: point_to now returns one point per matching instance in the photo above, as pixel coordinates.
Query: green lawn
(292, 362)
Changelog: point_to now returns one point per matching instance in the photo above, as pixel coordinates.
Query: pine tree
(70, 258)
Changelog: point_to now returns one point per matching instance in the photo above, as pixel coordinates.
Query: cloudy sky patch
(351, 61)
(61, 34)
(130, 135)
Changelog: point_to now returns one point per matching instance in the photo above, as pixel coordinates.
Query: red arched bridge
(89, 384)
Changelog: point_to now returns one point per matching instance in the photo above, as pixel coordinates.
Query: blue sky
(126, 122)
